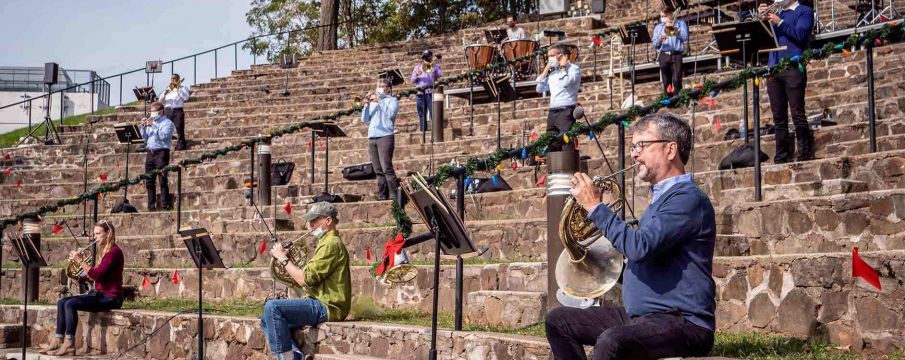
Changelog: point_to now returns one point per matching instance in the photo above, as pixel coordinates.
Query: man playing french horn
(326, 279)
(668, 291)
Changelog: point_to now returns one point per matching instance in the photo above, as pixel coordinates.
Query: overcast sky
(113, 36)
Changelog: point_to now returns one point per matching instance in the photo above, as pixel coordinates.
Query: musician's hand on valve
(75, 256)
(773, 18)
(585, 192)
(278, 252)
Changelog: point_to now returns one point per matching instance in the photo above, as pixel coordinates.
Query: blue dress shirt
(563, 84)
(159, 135)
(671, 43)
(380, 116)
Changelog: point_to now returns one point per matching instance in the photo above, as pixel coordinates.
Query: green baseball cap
(322, 208)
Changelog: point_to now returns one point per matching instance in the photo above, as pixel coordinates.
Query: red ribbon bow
(390, 249)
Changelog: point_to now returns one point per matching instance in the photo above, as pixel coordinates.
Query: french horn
(74, 269)
(589, 266)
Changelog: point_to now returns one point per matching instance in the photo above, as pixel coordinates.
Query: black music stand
(632, 35)
(495, 36)
(127, 134)
(394, 75)
(206, 256)
(326, 130)
(449, 232)
(742, 43)
(501, 89)
(30, 258)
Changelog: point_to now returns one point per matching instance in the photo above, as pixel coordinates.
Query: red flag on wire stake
(175, 277)
(717, 124)
(862, 270)
(7, 157)
(8, 171)
(145, 282)
(18, 183)
(368, 253)
(56, 229)
(541, 181)
(102, 176)
(670, 89)
(288, 207)
(263, 247)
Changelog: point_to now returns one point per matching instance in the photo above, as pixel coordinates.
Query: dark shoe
(152, 208)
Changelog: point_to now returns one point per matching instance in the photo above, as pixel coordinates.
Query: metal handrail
(236, 43)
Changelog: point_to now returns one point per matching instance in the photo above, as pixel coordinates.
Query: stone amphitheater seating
(781, 266)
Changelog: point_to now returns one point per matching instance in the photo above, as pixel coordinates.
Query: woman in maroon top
(108, 294)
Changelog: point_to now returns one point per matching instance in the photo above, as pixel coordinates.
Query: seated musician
(326, 279)
(513, 31)
(107, 276)
(668, 291)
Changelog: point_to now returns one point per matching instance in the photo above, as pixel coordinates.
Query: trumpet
(175, 85)
(357, 101)
(670, 28)
(74, 269)
(773, 8)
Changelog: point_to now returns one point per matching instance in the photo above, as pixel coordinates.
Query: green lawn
(11, 138)
(732, 345)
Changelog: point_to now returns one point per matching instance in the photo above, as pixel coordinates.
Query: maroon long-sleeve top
(108, 274)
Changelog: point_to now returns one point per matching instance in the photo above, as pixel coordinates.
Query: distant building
(18, 83)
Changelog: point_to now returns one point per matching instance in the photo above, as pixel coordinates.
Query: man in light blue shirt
(380, 115)
(157, 131)
(563, 80)
(670, 49)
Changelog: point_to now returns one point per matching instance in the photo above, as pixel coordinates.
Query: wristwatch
(284, 262)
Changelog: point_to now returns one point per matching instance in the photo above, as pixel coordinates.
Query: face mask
(553, 61)
(155, 114)
(664, 19)
(316, 233)
(379, 91)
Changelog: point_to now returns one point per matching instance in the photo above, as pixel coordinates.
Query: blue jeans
(67, 310)
(282, 316)
(425, 101)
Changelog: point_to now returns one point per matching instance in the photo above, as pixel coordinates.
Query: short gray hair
(669, 127)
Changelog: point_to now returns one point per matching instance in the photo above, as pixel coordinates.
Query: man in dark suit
(792, 27)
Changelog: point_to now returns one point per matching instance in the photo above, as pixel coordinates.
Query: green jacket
(328, 277)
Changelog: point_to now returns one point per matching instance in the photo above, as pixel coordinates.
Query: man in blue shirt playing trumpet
(670, 37)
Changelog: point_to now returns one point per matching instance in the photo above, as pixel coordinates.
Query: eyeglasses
(639, 146)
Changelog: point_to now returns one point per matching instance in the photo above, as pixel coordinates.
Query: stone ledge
(512, 309)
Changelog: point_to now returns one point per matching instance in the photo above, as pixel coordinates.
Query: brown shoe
(51, 346)
(68, 348)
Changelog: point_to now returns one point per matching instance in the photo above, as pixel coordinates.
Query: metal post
(215, 63)
(560, 168)
(251, 150)
(200, 294)
(620, 151)
(327, 165)
(745, 131)
(178, 198)
(432, 353)
(871, 100)
(236, 56)
(31, 228)
(264, 158)
(460, 264)
(62, 106)
(254, 53)
(194, 69)
(437, 115)
(120, 89)
(313, 139)
(755, 97)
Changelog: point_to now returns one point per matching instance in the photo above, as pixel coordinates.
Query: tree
(329, 16)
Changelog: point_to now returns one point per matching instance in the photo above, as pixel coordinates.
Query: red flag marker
(175, 277)
(56, 229)
(8, 171)
(541, 181)
(18, 183)
(717, 124)
(514, 165)
(288, 208)
(102, 176)
(310, 145)
(145, 282)
(533, 135)
(263, 247)
(670, 89)
(596, 40)
(218, 170)
(862, 270)
(368, 253)
(7, 157)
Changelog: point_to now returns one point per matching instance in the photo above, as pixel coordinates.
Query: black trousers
(68, 307)
(157, 159)
(560, 120)
(380, 150)
(671, 71)
(177, 115)
(615, 335)
(786, 91)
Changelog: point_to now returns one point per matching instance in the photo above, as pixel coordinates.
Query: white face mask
(155, 114)
(316, 233)
(664, 19)
(379, 91)
(553, 61)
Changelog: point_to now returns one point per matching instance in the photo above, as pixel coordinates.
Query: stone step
(798, 190)
(343, 357)
(512, 309)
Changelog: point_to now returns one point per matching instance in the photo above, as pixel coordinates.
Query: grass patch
(11, 138)
(227, 308)
(9, 301)
(470, 261)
